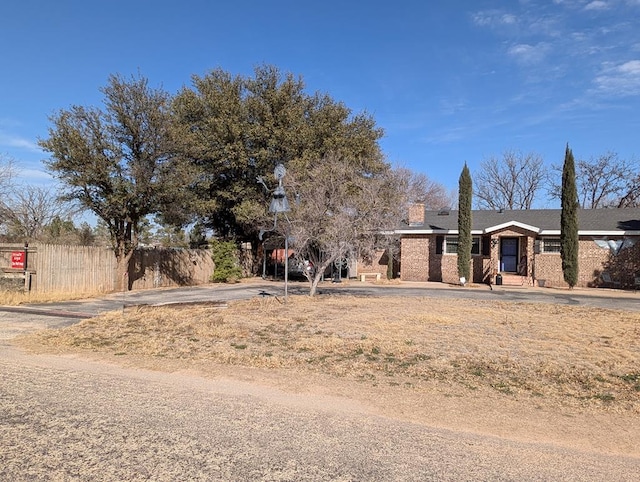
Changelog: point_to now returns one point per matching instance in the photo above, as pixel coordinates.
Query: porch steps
(515, 280)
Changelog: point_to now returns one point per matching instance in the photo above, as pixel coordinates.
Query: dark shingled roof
(603, 220)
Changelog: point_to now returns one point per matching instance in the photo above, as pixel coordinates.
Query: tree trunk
(314, 284)
(122, 269)
(317, 276)
(390, 257)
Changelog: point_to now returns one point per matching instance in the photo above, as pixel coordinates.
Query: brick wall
(625, 266)
(415, 258)
(416, 214)
(421, 263)
(548, 267)
(436, 267)
(592, 259)
(449, 268)
(449, 263)
(378, 264)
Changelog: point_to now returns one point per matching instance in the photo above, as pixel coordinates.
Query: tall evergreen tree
(465, 188)
(569, 221)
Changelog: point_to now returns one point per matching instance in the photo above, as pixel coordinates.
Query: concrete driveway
(28, 317)
(595, 297)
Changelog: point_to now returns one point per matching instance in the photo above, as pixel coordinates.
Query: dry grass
(556, 354)
(13, 298)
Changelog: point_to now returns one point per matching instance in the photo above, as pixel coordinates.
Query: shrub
(225, 256)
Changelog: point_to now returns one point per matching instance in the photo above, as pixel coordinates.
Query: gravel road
(65, 418)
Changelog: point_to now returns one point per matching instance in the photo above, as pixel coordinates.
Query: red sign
(17, 259)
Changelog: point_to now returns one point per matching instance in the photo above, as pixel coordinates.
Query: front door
(509, 255)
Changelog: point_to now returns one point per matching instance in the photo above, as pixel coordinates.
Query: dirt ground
(545, 373)
(68, 418)
(435, 404)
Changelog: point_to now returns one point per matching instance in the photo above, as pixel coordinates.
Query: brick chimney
(416, 214)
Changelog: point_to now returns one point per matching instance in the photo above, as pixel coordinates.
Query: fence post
(27, 277)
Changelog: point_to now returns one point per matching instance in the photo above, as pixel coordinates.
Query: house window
(550, 245)
(475, 245)
(451, 245)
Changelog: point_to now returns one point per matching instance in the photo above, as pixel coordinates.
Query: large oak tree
(117, 161)
(234, 129)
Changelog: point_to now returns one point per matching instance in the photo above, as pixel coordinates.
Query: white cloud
(632, 67)
(574, 4)
(597, 5)
(16, 142)
(529, 54)
(494, 18)
(619, 80)
(508, 19)
(525, 22)
(548, 25)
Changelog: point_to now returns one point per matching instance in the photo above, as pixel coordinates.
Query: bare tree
(602, 180)
(605, 181)
(417, 187)
(631, 194)
(512, 182)
(28, 210)
(7, 175)
(413, 188)
(341, 211)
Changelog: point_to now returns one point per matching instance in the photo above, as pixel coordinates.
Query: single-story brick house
(523, 246)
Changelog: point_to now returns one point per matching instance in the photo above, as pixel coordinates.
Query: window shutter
(439, 241)
(486, 245)
(536, 246)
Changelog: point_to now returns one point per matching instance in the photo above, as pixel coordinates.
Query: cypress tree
(465, 190)
(569, 221)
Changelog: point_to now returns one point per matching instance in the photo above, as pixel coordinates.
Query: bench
(363, 276)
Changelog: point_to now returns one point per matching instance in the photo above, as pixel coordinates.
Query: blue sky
(449, 81)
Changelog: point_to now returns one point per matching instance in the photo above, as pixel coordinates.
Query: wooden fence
(73, 269)
(88, 269)
(159, 267)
